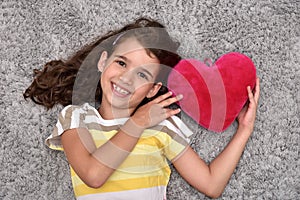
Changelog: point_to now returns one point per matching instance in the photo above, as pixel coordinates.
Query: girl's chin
(122, 104)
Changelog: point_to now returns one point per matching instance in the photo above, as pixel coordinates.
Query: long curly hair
(57, 82)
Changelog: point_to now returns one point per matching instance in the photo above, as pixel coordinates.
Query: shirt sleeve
(70, 117)
(176, 137)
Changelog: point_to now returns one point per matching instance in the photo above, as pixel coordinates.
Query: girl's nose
(126, 77)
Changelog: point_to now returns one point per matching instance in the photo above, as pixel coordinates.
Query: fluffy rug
(33, 32)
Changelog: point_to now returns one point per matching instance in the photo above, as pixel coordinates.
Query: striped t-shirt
(145, 173)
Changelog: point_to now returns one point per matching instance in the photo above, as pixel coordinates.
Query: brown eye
(121, 63)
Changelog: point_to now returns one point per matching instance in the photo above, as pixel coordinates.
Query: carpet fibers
(34, 32)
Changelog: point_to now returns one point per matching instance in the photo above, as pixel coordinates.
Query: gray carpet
(33, 32)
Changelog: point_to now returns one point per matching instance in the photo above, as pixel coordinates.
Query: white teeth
(120, 90)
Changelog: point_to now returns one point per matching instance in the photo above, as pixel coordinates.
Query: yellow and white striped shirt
(145, 172)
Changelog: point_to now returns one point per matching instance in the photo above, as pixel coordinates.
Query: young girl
(118, 130)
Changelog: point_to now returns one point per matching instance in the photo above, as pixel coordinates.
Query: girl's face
(127, 78)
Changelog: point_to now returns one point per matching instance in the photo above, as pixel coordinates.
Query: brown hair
(55, 83)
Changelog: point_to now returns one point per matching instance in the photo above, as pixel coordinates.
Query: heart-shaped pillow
(213, 95)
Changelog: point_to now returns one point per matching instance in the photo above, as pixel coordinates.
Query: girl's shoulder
(77, 112)
(175, 123)
(71, 116)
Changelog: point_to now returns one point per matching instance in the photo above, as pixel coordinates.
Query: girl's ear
(102, 61)
(155, 88)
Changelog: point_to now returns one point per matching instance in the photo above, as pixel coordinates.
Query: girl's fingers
(169, 101)
(165, 100)
(170, 112)
(161, 98)
(255, 94)
(257, 90)
(250, 94)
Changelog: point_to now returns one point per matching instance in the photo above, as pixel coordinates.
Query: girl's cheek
(108, 73)
(143, 86)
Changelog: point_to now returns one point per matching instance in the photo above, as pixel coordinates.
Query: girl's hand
(155, 111)
(246, 117)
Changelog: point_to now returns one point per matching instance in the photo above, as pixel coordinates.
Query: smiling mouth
(119, 91)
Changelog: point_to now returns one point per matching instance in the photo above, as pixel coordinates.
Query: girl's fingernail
(180, 96)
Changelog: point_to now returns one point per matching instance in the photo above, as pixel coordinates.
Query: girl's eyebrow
(123, 57)
(127, 60)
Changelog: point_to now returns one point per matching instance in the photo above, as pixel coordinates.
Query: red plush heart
(213, 95)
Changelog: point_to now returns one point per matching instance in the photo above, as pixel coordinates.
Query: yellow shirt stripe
(146, 166)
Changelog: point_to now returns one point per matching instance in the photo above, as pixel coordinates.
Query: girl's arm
(91, 170)
(212, 179)
(95, 165)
